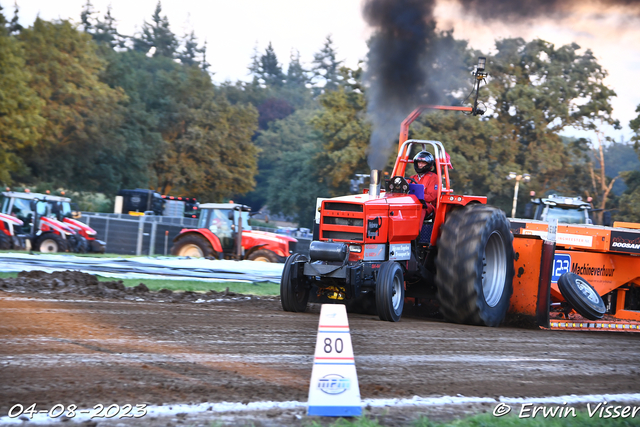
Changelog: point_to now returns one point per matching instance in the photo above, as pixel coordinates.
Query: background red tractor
(48, 225)
(9, 225)
(224, 232)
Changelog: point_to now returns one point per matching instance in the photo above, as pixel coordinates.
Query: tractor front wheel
(474, 266)
(78, 244)
(263, 255)
(390, 291)
(51, 243)
(294, 295)
(192, 245)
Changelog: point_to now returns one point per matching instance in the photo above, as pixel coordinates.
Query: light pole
(524, 177)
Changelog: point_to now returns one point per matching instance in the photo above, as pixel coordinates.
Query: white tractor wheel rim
(397, 293)
(494, 269)
(191, 250)
(49, 246)
(261, 259)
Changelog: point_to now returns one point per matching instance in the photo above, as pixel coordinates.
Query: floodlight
(482, 62)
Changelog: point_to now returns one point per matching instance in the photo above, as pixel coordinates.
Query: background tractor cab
(567, 210)
(224, 232)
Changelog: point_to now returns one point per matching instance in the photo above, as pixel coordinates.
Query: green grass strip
(581, 419)
(245, 288)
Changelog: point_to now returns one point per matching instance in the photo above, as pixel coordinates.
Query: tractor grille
(343, 221)
(347, 207)
(351, 222)
(342, 235)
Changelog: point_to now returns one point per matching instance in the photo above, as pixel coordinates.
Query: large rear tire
(474, 266)
(192, 245)
(390, 291)
(50, 243)
(294, 296)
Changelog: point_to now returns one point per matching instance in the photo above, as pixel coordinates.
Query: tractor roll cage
(442, 162)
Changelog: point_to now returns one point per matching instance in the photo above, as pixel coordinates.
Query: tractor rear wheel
(263, 255)
(474, 266)
(50, 243)
(293, 294)
(390, 291)
(192, 245)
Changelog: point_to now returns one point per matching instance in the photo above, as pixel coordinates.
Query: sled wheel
(50, 243)
(294, 295)
(263, 255)
(192, 245)
(390, 291)
(474, 266)
(582, 296)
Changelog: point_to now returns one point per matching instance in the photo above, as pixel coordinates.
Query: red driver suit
(430, 182)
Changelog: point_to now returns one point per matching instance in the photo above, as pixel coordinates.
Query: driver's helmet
(423, 156)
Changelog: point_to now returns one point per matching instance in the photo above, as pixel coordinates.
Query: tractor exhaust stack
(374, 186)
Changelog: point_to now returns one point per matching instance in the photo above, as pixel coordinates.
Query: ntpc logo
(561, 265)
(334, 384)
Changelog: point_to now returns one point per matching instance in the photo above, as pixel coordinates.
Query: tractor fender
(264, 240)
(7, 222)
(50, 224)
(206, 233)
(84, 230)
(10, 219)
(252, 249)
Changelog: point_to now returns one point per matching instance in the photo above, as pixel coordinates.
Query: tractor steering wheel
(412, 180)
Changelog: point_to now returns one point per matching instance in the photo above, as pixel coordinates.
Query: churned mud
(67, 339)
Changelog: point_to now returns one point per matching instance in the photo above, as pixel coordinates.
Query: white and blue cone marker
(334, 389)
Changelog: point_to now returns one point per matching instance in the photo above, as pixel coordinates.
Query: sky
(234, 29)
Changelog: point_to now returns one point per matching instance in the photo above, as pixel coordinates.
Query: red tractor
(380, 247)
(48, 225)
(224, 232)
(9, 238)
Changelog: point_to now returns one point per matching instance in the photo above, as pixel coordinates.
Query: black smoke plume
(395, 73)
(404, 64)
(527, 10)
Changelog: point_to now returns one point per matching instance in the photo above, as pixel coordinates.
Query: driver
(423, 163)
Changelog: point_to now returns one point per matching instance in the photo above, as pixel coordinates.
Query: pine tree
(265, 68)
(14, 26)
(326, 69)
(86, 17)
(158, 35)
(296, 74)
(270, 69)
(190, 53)
(107, 33)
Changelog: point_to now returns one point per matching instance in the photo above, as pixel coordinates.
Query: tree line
(85, 108)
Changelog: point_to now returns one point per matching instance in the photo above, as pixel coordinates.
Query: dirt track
(63, 347)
